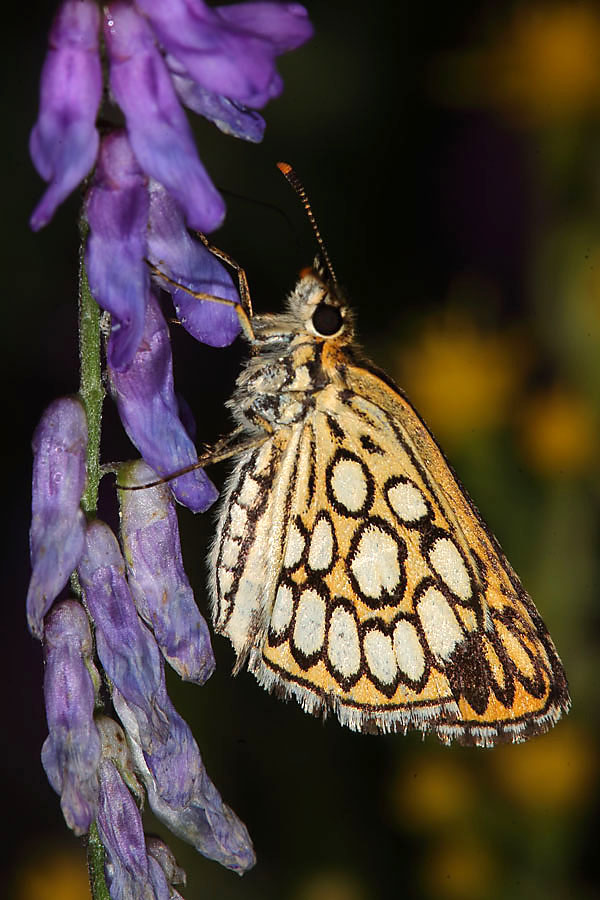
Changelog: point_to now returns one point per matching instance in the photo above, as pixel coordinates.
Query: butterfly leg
(244, 318)
(240, 272)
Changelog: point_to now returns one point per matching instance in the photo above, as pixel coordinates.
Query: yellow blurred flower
(459, 868)
(543, 67)
(431, 791)
(548, 774)
(462, 378)
(558, 432)
(58, 875)
(331, 884)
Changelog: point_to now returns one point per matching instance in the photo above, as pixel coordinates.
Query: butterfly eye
(327, 320)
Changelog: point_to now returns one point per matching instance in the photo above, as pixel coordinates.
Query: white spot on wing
(320, 555)
(238, 520)
(282, 609)
(249, 492)
(376, 565)
(380, 657)
(225, 580)
(408, 650)
(343, 645)
(309, 629)
(450, 566)
(230, 553)
(407, 501)
(349, 484)
(294, 547)
(439, 623)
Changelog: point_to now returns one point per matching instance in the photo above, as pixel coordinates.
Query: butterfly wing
(354, 573)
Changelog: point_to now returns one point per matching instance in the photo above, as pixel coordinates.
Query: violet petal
(122, 834)
(64, 140)
(180, 792)
(57, 522)
(222, 51)
(229, 116)
(158, 129)
(156, 577)
(188, 262)
(148, 408)
(71, 753)
(117, 207)
(126, 648)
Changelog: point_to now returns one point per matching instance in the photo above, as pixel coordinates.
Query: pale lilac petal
(64, 140)
(148, 408)
(157, 126)
(161, 591)
(117, 207)
(57, 522)
(188, 262)
(71, 753)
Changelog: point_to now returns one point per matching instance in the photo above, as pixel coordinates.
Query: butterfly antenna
(295, 182)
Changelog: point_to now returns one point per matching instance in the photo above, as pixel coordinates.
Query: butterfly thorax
(294, 356)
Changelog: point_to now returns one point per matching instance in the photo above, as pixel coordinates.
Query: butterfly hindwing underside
(350, 569)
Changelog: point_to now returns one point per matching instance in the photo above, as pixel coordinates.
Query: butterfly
(350, 570)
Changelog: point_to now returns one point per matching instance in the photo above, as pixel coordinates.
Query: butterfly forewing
(351, 570)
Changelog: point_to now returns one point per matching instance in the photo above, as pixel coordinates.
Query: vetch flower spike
(156, 577)
(64, 140)
(71, 752)
(148, 408)
(57, 522)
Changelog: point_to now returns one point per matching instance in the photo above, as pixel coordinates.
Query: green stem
(95, 860)
(91, 389)
(91, 392)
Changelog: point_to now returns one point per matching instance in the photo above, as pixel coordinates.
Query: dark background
(452, 154)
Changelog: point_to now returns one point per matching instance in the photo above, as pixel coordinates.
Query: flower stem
(91, 392)
(91, 389)
(95, 859)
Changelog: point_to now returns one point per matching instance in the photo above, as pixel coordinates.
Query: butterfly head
(318, 307)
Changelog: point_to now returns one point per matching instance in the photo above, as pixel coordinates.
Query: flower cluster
(149, 184)
(115, 738)
(142, 606)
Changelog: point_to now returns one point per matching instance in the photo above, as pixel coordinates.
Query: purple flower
(126, 648)
(122, 834)
(117, 209)
(57, 522)
(189, 263)
(230, 50)
(156, 577)
(218, 60)
(148, 408)
(158, 129)
(71, 753)
(179, 790)
(64, 140)
(164, 750)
